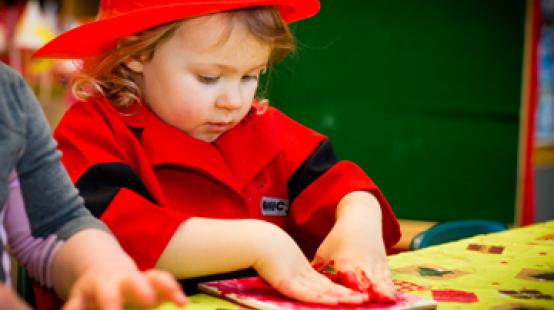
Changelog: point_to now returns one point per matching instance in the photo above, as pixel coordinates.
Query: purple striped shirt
(34, 253)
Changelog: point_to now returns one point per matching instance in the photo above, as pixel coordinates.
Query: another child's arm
(204, 246)
(10, 300)
(355, 245)
(82, 253)
(90, 270)
(102, 274)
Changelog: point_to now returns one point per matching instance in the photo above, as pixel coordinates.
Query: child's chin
(208, 138)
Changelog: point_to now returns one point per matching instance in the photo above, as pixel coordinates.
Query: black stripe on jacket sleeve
(321, 160)
(100, 183)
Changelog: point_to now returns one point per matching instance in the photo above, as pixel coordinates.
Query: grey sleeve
(52, 203)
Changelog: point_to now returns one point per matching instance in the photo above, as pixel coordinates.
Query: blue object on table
(454, 230)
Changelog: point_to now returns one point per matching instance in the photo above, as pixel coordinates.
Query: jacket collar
(249, 147)
(234, 159)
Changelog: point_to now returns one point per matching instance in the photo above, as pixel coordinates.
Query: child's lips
(219, 126)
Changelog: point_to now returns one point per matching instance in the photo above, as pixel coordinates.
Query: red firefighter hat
(119, 18)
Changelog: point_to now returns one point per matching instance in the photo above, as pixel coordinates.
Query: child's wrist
(273, 249)
(359, 211)
(261, 241)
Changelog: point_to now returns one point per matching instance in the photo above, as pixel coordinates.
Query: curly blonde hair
(107, 75)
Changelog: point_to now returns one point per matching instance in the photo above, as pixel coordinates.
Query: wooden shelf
(544, 156)
(409, 229)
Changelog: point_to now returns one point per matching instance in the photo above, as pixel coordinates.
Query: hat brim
(102, 35)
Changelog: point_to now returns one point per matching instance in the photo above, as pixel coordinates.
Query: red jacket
(143, 177)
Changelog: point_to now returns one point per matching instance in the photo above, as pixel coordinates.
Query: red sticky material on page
(356, 281)
(454, 296)
(327, 271)
(254, 292)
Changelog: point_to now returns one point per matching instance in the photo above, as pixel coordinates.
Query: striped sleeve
(34, 253)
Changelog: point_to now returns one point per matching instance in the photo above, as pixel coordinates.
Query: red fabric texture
(121, 18)
(143, 229)
(226, 179)
(45, 299)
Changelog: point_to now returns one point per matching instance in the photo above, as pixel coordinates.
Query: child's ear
(135, 65)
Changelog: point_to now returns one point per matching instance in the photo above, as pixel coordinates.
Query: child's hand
(283, 265)
(377, 285)
(112, 287)
(355, 248)
(10, 300)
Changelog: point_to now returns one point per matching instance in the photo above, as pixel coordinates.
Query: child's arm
(355, 244)
(92, 257)
(204, 246)
(78, 252)
(92, 271)
(10, 300)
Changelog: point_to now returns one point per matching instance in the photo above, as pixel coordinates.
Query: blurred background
(447, 105)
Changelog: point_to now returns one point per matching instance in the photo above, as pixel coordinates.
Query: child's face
(200, 84)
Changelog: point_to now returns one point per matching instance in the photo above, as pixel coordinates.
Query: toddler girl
(196, 176)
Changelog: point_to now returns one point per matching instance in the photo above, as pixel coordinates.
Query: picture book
(255, 293)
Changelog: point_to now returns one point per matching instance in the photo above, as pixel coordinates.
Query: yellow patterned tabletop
(513, 269)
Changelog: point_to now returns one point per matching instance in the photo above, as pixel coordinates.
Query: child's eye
(253, 77)
(207, 79)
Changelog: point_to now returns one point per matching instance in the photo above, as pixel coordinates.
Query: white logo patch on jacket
(272, 206)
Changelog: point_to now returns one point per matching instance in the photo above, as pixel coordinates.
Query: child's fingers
(10, 300)
(166, 286)
(377, 283)
(341, 294)
(75, 302)
(315, 288)
(319, 263)
(137, 289)
(94, 295)
(344, 295)
(352, 297)
(383, 288)
(304, 291)
(107, 295)
(348, 297)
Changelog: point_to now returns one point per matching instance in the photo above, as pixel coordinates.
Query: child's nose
(230, 100)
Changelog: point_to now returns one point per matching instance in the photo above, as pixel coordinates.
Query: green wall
(423, 95)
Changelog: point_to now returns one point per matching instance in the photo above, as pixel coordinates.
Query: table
(513, 269)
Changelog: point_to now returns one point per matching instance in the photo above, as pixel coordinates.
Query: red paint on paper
(327, 271)
(256, 289)
(354, 280)
(454, 296)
